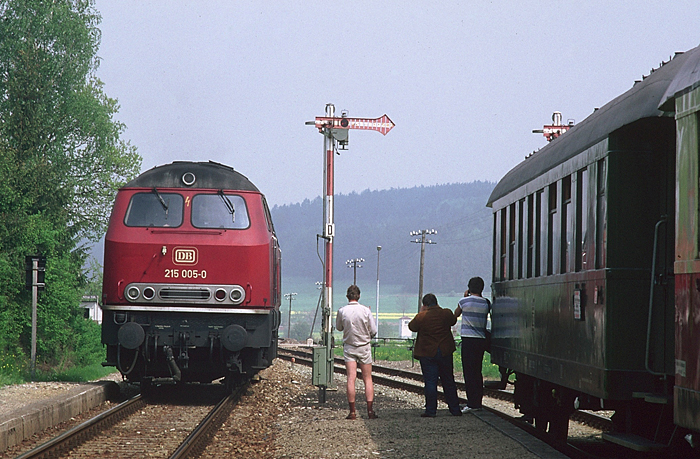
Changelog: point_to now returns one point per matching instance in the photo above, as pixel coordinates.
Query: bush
(12, 369)
(75, 374)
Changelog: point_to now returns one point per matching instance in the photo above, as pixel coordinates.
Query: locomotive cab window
(154, 209)
(225, 211)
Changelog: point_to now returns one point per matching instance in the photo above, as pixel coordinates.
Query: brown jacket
(433, 327)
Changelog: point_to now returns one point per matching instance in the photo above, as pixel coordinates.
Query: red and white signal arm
(382, 124)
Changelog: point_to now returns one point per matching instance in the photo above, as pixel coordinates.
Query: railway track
(413, 382)
(387, 376)
(138, 428)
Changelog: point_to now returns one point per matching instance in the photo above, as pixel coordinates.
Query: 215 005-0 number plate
(185, 274)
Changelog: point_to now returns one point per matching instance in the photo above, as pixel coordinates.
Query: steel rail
(584, 417)
(79, 434)
(199, 438)
(565, 448)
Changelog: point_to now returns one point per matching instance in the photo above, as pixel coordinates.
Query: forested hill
(462, 249)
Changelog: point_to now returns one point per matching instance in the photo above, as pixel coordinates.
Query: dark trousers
(472, 356)
(442, 368)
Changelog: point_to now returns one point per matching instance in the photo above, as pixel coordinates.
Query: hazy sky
(465, 82)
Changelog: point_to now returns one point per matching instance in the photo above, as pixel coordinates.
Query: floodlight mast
(335, 136)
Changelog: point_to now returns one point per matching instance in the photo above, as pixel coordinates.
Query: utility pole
(290, 297)
(379, 247)
(335, 138)
(422, 241)
(354, 264)
(35, 266)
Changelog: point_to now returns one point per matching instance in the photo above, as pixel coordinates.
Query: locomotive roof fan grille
(188, 178)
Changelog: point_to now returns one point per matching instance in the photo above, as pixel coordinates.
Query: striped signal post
(335, 137)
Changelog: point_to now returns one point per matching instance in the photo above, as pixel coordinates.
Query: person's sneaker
(468, 409)
(427, 415)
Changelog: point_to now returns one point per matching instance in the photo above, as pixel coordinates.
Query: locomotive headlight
(132, 293)
(188, 178)
(220, 294)
(149, 293)
(237, 294)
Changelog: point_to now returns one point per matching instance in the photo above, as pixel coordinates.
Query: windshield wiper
(228, 204)
(162, 201)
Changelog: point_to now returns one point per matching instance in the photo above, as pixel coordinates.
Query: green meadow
(393, 306)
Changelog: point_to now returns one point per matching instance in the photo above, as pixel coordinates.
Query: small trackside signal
(554, 130)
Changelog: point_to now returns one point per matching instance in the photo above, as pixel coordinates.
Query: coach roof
(203, 175)
(641, 101)
(686, 80)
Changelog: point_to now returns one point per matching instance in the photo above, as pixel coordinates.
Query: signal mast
(554, 130)
(335, 137)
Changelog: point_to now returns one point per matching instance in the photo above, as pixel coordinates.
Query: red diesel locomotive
(191, 288)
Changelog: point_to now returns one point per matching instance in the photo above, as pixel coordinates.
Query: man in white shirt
(474, 310)
(358, 327)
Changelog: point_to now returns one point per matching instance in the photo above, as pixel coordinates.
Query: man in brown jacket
(434, 347)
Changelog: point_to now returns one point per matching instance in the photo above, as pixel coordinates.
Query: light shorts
(360, 354)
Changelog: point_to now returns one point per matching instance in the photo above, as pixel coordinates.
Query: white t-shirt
(356, 323)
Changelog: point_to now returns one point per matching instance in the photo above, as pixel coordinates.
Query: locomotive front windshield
(154, 209)
(227, 211)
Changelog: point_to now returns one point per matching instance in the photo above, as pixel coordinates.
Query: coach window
(601, 215)
(695, 128)
(551, 227)
(521, 250)
(495, 245)
(566, 223)
(530, 236)
(512, 259)
(223, 211)
(504, 243)
(154, 210)
(581, 236)
(538, 233)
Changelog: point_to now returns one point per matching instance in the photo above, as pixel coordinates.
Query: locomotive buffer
(335, 137)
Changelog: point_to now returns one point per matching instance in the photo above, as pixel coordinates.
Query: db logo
(185, 255)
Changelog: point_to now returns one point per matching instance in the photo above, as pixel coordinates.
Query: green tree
(61, 161)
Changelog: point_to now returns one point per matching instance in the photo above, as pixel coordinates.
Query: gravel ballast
(280, 417)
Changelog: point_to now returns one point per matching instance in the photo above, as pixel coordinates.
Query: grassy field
(401, 352)
(16, 371)
(393, 306)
